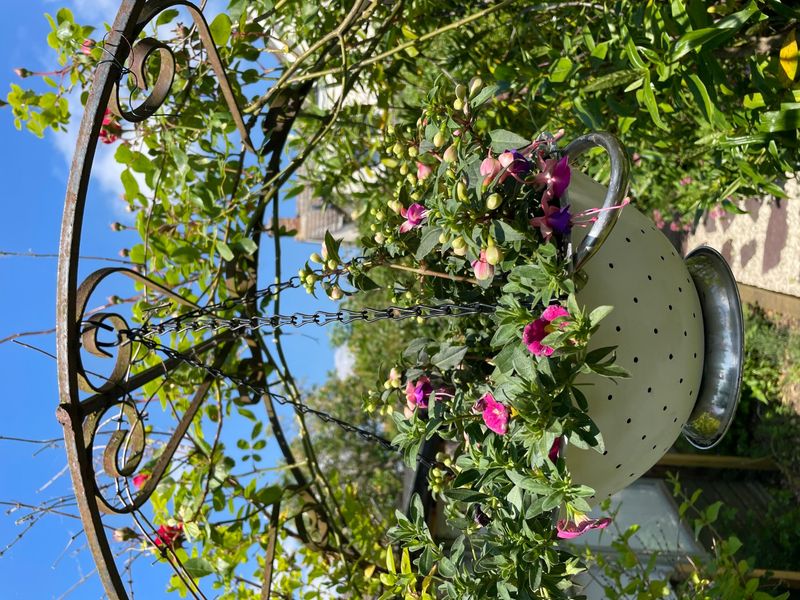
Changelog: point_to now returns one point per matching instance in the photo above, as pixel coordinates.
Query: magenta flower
(483, 270)
(535, 332)
(414, 215)
(423, 171)
(495, 414)
(418, 393)
(140, 479)
(555, 450)
(555, 174)
(554, 220)
(572, 529)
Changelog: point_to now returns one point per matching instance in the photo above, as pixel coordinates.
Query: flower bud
(438, 139)
(404, 169)
(316, 258)
(493, 201)
(461, 91)
(411, 178)
(459, 243)
(412, 151)
(311, 279)
(398, 150)
(494, 255)
(22, 72)
(461, 191)
(379, 238)
(380, 215)
(336, 293)
(458, 104)
(443, 238)
(116, 227)
(475, 84)
(124, 253)
(450, 154)
(332, 264)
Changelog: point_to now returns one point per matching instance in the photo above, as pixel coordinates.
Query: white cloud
(344, 360)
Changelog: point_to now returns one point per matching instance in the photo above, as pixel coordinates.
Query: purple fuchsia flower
(423, 171)
(483, 270)
(495, 414)
(535, 332)
(555, 175)
(554, 220)
(418, 393)
(572, 529)
(414, 215)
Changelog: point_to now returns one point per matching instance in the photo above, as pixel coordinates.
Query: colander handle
(617, 190)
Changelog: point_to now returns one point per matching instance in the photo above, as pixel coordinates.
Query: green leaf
(523, 363)
(779, 120)
(633, 55)
(448, 357)
(197, 567)
(466, 495)
(503, 232)
(224, 251)
(166, 16)
(611, 80)
(269, 494)
(599, 313)
(561, 70)
(503, 140)
(248, 245)
(430, 237)
(650, 102)
(712, 36)
(488, 92)
(129, 184)
(701, 97)
(221, 29)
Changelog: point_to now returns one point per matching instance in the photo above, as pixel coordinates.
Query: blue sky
(45, 563)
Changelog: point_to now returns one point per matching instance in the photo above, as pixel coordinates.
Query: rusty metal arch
(79, 417)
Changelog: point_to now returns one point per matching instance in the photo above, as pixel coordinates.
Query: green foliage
(694, 93)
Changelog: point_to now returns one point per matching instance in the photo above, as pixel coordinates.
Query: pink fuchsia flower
(413, 215)
(554, 220)
(418, 393)
(423, 171)
(514, 164)
(483, 270)
(572, 529)
(495, 414)
(686, 181)
(535, 332)
(86, 46)
(140, 479)
(555, 175)
(169, 535)
(489, 169)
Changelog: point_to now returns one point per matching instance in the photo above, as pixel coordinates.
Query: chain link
(208, 319)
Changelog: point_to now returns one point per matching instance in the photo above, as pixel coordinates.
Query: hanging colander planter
(677, 327)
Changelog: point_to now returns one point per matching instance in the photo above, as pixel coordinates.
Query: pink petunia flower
(572, 529)
(535, 332)
(414, 215)
(495, 414)
(483, 270)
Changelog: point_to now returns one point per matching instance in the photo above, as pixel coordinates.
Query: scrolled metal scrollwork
(141, 50)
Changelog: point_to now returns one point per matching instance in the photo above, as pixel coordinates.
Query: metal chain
(208, 319)
(304, 409)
